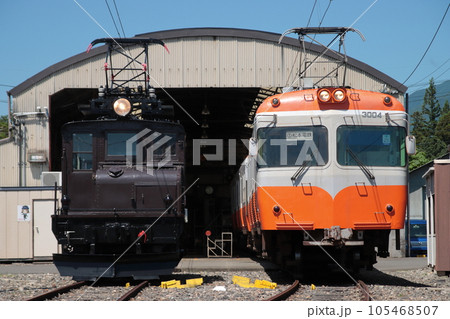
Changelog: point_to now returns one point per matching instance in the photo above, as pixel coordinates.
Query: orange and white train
(326, 176)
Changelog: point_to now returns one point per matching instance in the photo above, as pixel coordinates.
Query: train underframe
(114, 247)
(310, 250)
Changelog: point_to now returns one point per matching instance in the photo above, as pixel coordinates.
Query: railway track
(58, 291)
(144, 290)
(286, 293)
(333, 292)
(134, 291)
(77, 292)
(364, 290)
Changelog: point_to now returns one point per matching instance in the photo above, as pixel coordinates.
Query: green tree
(431, 107)
(446, 108)
(417, 160)
(431, 139)
(3, 126)
(443, 125)
(420, 128)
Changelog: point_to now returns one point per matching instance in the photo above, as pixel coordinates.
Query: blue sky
(38, 34)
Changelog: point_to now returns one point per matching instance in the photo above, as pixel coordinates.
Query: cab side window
(82, 151)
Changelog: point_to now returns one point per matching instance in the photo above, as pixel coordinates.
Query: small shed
(25, 223)
(437, 211)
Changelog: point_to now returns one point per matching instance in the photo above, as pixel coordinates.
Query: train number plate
(299, 135)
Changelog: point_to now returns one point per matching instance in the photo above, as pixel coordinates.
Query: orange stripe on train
(313, 208)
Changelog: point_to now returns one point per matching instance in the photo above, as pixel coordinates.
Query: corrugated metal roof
(207, 32)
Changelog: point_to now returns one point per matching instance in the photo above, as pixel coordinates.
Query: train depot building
(215, 78)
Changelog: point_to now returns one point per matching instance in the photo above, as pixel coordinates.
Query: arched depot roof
(212, 57)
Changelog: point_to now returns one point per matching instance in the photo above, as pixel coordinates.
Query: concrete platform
(223, 264)
(28, 268)
(218, 264)
(401, 263)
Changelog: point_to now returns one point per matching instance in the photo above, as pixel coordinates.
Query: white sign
(23, 213)
(299, 135)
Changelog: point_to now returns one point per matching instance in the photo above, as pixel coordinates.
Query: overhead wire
(420, 83)
(114, 20)
(312, 11)
(429, 45)
(118, 16)
(324, 14)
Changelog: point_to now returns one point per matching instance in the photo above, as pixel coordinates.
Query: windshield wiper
(360, 164)
(300, 170)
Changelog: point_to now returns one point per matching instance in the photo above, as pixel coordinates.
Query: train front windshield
(292, 146)
(371, 145)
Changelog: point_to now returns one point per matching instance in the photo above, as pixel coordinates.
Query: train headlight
(276, 210)
(390, 209)
(339, 95)
(122, 107)
(324, 95)
(275, 102)
(387, 101)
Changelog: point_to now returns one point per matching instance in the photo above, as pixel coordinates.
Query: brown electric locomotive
(122, 211)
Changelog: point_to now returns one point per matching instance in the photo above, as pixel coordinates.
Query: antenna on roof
(341, 59)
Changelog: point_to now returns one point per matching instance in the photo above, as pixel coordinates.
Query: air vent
(50, 178)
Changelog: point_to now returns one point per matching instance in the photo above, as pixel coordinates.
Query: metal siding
(82, 75)
(97, 72)
(264, 65)
(157, 64)
(278, 78)
(173, 65)
(289, 64)
(192, 61)
(210, 62)
(442, 216)
(24, 100)
(228, 62)
(9, 159)
(37, 141)
(246, 62)
(3, 224)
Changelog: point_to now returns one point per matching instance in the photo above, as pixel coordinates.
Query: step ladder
(220, 247)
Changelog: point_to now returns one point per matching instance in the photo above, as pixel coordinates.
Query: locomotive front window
(292, 146)
(125, 143)
(82, 151)
(371, 145)
(117, 144)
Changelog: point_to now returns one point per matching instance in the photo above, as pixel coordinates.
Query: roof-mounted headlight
(330, 95)
(339, 95)
(324, 95)
(122, 107)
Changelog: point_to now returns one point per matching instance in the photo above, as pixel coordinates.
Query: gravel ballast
(406, 285)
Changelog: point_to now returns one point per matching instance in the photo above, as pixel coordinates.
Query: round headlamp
(324, 95)
(339, 95)
(122, 107)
